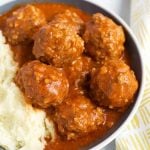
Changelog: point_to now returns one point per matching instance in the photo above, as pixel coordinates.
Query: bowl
(132, 48)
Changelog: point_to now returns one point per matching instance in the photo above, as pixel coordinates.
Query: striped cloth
(136, 135)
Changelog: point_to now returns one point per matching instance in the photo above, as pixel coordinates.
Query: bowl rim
(111, 137)
(141, 88)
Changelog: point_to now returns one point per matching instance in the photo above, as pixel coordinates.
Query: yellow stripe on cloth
(136, 135)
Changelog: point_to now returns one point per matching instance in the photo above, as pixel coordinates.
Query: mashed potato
(21, 126)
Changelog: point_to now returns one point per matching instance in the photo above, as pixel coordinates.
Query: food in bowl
(73, 67)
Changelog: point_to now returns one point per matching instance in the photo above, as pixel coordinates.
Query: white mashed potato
(21, 126)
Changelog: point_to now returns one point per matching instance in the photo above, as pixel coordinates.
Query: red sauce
(79, 143)
(23, 53)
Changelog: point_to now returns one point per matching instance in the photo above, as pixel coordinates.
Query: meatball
(103, 38)
(23, 23)
(45, 85)
(69, 18)
(57, 45)
(78, 70)
(77, 116)
(113, 84)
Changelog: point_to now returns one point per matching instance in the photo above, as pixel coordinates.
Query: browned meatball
(69, 18)
(104, 39)
(23, 23)
(113, 84)
(77, 116)
(45, 85)
(57, 45)
(78, 70)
